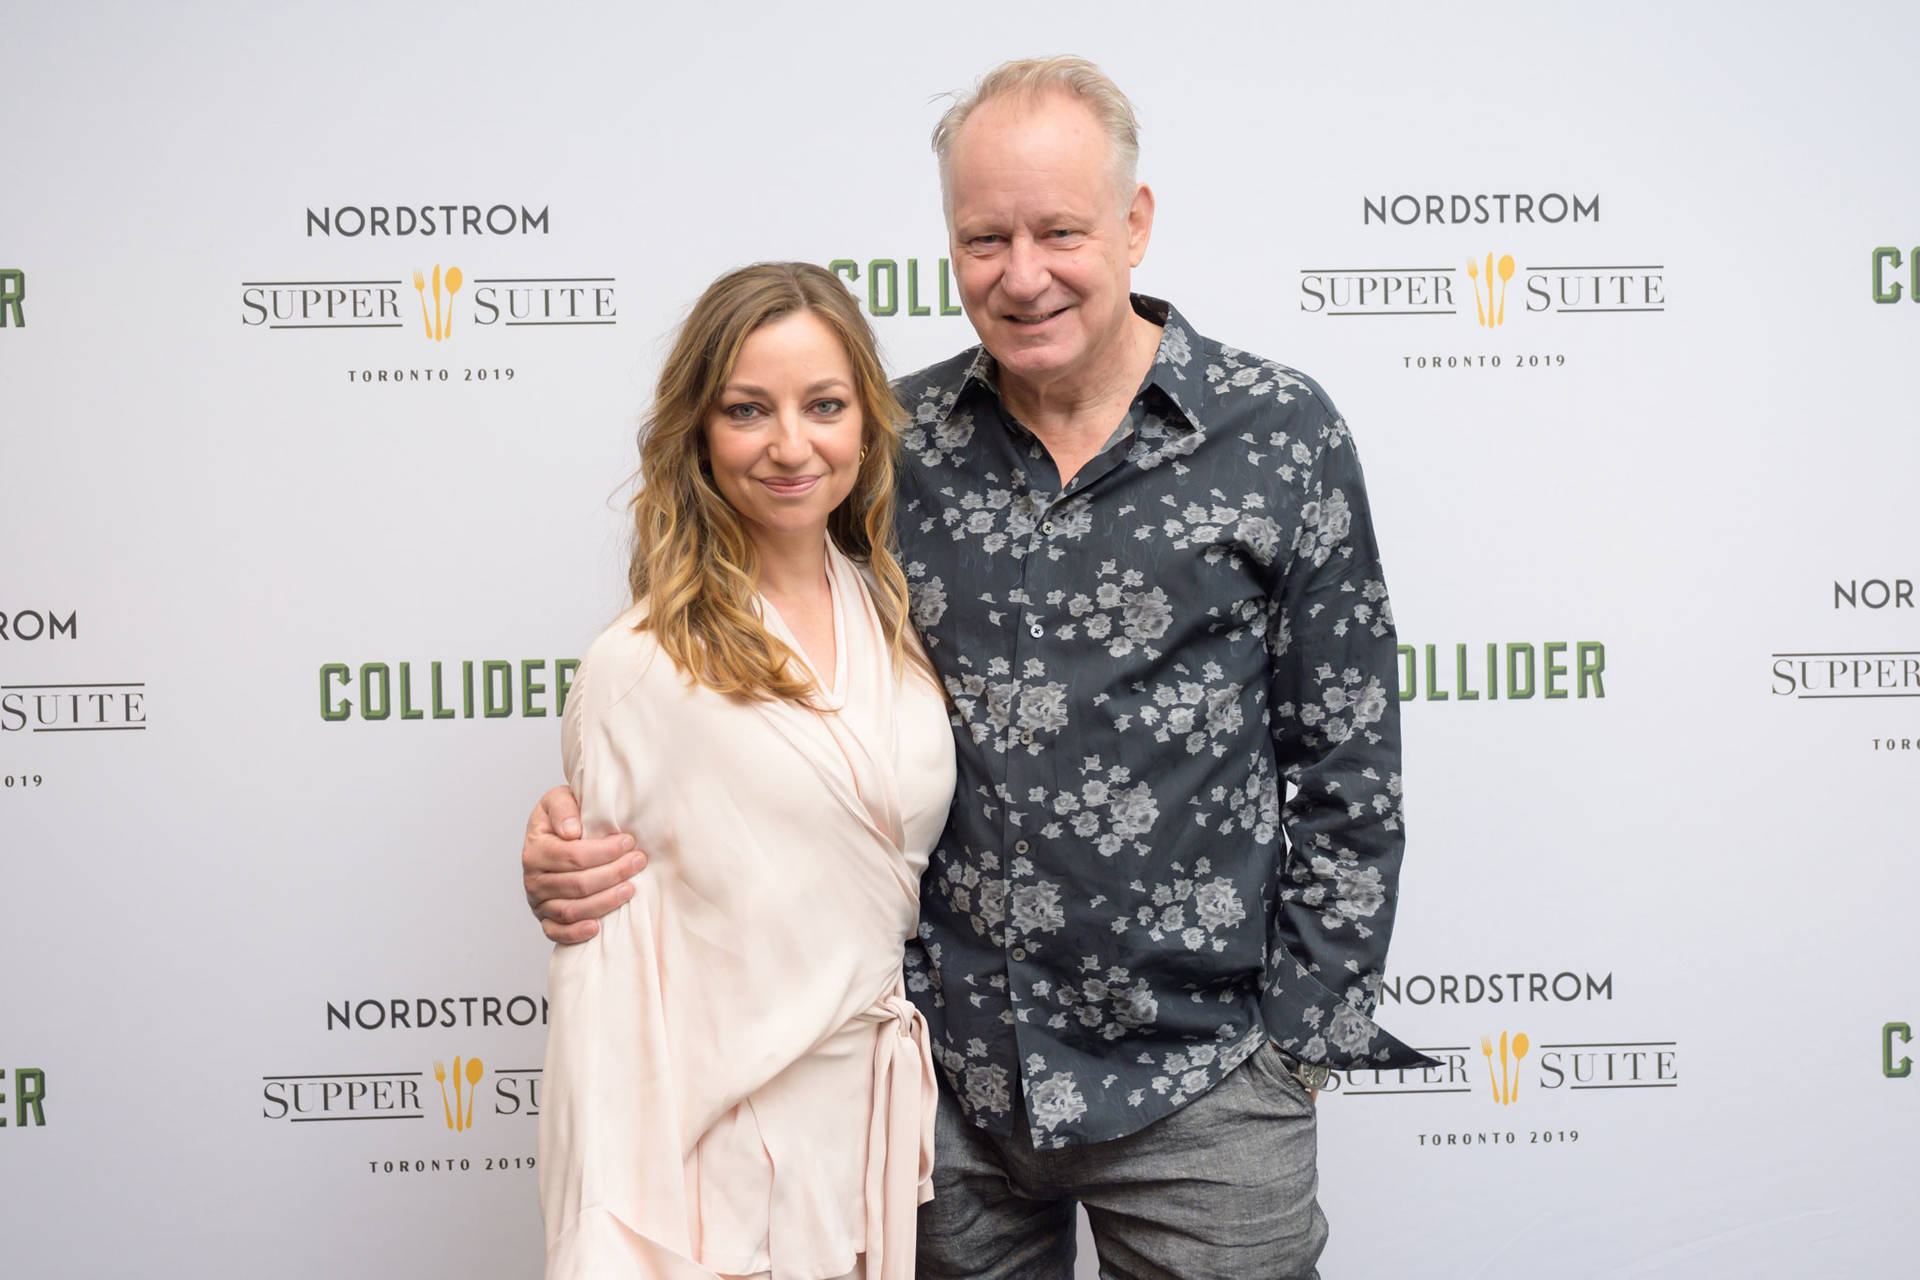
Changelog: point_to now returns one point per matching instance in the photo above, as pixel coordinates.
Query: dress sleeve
(612, 1191)
(605, 745)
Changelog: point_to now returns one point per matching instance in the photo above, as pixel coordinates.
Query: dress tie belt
(899, 1136)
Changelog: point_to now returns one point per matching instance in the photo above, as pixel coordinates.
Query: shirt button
(1019, 846)
(1019, 953)
(1036, 631)
(1026, 738)
(1047, 527)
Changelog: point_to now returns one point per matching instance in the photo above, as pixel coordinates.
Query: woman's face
(784, 440)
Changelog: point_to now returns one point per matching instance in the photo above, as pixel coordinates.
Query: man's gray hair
(1032, 78)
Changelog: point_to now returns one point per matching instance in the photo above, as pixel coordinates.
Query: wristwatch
(1311, 1075)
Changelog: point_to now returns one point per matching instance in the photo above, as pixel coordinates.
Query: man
(1143, 565)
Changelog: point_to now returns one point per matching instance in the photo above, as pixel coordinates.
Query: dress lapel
(850, 743)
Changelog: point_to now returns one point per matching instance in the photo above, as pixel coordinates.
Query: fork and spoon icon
(1504, 1091)
(1489, 318)
(457, 1118)
(437, 330)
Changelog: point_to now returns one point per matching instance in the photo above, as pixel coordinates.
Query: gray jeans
(1222, 1188)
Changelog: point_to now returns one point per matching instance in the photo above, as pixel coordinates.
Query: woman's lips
(791, 486)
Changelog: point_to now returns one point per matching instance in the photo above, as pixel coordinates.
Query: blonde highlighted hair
(1031, 78)
(694, 566)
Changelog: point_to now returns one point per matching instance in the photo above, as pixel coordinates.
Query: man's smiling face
(1044, 244)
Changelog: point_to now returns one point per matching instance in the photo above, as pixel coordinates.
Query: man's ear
(1139, 224)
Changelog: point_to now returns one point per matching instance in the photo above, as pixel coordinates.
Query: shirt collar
(1168, 375)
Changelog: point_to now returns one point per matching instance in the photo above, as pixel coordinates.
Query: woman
(735, 1082)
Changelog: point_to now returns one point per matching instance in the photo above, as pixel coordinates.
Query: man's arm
(1336, 726)
(571, 882)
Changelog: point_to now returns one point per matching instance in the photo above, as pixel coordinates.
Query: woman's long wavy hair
(694, 565)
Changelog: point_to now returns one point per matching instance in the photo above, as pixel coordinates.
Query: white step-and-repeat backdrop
(324, 331)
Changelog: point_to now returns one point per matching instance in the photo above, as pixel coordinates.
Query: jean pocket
(1270, 1063)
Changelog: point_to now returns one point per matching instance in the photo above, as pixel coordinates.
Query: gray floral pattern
(1177, 829)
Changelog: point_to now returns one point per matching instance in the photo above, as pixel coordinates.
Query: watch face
(1311, 1075)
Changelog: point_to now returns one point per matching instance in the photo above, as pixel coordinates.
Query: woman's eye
(827, 408)
(740, 412)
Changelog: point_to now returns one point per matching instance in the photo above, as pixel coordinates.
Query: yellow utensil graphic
(1486, 1047)
(439, 1067)
(1506, 274)
(1519, 1043)
(453, 287)
(420, 287)
(1503, 1035)
(1490, 319)
(436, 338)
(1473, 271)
(474, 1072)
(458, 1105)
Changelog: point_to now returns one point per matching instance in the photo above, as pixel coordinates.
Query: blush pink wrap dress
(736, 1083)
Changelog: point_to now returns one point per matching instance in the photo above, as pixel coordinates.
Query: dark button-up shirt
(1125, 901)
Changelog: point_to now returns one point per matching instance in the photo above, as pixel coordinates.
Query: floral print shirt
(1126, 898)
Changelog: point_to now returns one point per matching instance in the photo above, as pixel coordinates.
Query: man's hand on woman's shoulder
(572, 882)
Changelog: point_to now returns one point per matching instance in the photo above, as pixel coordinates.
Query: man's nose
(1026, 274)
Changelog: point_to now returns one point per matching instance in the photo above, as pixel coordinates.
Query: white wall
(225, 508)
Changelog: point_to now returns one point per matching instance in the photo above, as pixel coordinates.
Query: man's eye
(987, 242)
